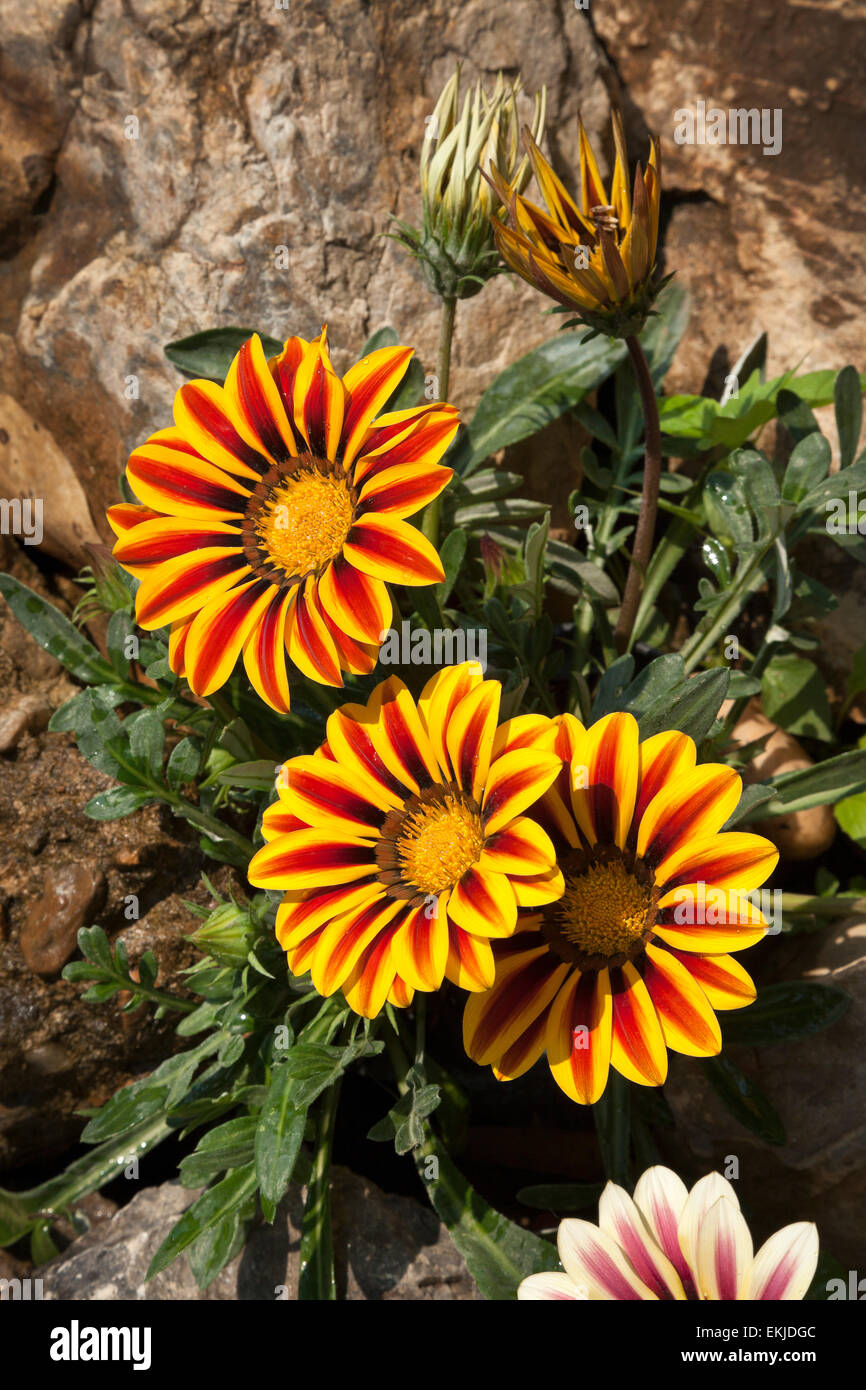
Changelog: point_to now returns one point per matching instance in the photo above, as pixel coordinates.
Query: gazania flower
(669, 1243)
(402, 844)
(271, 516)
(633, 958)
(455, 244)
(597, 261)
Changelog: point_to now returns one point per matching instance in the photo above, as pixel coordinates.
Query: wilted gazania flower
(632, 959)
(669, 1243)
(598, 261)
(455, 244)
(272, 516)
(402, 844)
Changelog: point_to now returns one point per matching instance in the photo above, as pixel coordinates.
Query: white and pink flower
(669, 1243)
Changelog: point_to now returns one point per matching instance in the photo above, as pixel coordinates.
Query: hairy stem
(646, 522)
(430, 522)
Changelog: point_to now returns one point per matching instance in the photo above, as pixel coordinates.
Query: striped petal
(525, 985)
(312, 859)
(256, 399)
(400, 737)
(596, 1264)
(264, 654)
(219, 631)
(785, 1265)
(181, 484)
(369, 384)
(705, 1194)
(547, 1286)
(525, 731)
(523, 1053)
(349, 732)
(421, 946)
(372, 979)
(620, 1218)
(691, 808)
(166, 537)
(470, 964)
(733, 925)
(687, 1020)
(385, 547)
(733, 859)
(538, 889)
(215, 426)
(521, 848)
(637, 1046)
(124, 516)
(483, 903)
(302, 913)
(180, 587)
(177, 645)
(325, 796)
(319, 400)
(469, 736)
(514, 782)
(403, 489)
(579, 1035)
(604, 779)
(437, 702)
(724, 1252)
(343, 941)
(416, 439)
(355, 603)
(723, 980)
(661, 1196)
(664, 758)
(308, 638)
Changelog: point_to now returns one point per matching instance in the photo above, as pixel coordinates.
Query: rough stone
(385, 1247)
(22, 716)
(72, 893)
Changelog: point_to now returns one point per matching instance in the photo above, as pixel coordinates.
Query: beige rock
(32, 466)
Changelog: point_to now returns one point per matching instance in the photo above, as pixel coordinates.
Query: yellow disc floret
(305, 520)
(603, 911)
(437, 843)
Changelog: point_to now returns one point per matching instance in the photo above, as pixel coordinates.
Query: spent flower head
(455, 245)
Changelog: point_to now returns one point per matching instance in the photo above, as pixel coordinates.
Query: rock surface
(162, 163)
(385, 1247)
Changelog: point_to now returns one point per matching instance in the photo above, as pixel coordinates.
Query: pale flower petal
(619, 1217)
(725, 1253)
(595, 1263)
(550, 1285)
(784, 1267)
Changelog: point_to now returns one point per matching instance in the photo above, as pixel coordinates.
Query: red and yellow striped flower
(633, 958)
(598, 261)
(402, 844)
(669, 1243)
(272, 516)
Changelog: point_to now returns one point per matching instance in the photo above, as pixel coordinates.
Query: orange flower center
(305, 520)
(438, 842)
(604, 911)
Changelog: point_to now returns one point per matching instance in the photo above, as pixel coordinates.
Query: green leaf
(146, 732)
(214, 1248)
(795, 697)
(537, 389)
(55, 633)
(210, 1208)
(118, 802)
(210, 353)
(226, 1146)
(452, 553)
(848, 401)
(313, 1067)
(831, 780)
(807, 467)
(571, 570)
(560, 1196)
(693, 711)
(279, 1132)
(184, 762)
(792, 1009)
(744, 1099)
(851, 816)
(498, 1253)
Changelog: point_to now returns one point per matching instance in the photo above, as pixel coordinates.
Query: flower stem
(316, 1279)
(430, 522)
(646, 521)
